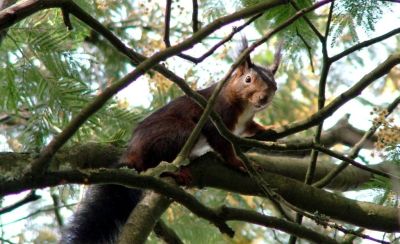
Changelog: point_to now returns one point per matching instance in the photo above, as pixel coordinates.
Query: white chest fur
(246, 115)
(200, 148)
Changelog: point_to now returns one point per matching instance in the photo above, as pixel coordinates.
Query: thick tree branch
(144, 68)
(296, 193)
(209, 171)
(144, 217)
(123, 177)
(97, 155)
(284, 147)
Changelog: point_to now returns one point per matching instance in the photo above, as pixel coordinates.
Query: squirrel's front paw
(182, 177)
(237, 164)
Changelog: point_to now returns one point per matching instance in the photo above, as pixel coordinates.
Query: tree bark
(144, 217)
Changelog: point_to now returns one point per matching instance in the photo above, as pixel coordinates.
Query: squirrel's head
(252, 84)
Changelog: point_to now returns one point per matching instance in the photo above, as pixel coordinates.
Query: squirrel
(160, 137)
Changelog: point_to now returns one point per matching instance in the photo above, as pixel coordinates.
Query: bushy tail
(101, 214)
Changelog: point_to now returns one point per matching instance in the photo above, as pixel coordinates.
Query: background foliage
(48, 74)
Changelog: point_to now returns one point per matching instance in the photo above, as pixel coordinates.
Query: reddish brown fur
(161, 135)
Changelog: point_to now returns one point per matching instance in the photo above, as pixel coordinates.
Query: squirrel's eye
(247, 79)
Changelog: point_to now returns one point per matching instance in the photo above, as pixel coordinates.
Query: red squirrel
(160, 137)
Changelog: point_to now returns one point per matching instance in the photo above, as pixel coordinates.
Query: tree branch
(296, 193)
(220, 43)
(308, 21)
(143, 218)
(56, 204)
(351, 93)
(27, 199)
(354, 152)
(276, 223)
(195, 18)
(166, 234)
(97, 155)
(210, 171)
(295, 168)
(341, 133)
(308, 47)
(3, 5)
(367, 43)
(167, 22)
(354, 163)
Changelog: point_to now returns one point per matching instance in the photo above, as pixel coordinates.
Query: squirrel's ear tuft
(246, 64)
(277, 58)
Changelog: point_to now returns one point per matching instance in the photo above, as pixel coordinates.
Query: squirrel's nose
(263, 98)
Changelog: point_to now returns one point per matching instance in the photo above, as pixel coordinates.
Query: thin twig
(308, 21)
(329, 21)
(195, 18)
(276, 223)
(67, 20)
(354, 163)
(264, 187)
(27, 199)
(367, 43)
(39, 211)
(2, 240)
(56, 203)
(167, 22)
(308, 47)
(195, 23)
(354, 151)
(164, 232)
(235, 30)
